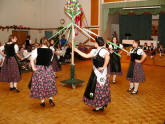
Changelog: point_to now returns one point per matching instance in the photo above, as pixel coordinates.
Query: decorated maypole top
(72, 8)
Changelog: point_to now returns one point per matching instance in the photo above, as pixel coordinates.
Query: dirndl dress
(101, 92)
(43, 84)
(135, 71)
(115, 64)
(10, 70)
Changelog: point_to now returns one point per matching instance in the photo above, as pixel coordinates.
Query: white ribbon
(84, 32)
(101, 75)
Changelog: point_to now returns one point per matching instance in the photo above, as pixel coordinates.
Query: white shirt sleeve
(2, 48)
(103, 52)
(34, 54)
(16, 48)
(93, 52)
(140, 52)
(110, 46)
(121, 46)
(52, 48)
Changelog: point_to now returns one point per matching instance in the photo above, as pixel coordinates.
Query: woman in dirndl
(97, 93)
(43, 84)
(10, 70)
(115, 64)
(135, 73)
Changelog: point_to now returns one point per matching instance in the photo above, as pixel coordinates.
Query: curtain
(162, 29)
(138, 27)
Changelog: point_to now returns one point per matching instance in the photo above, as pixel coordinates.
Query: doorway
(21, 36)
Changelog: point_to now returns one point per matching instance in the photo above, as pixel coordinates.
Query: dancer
(152, 50)
(135, 72)
(43, 83)
(115, 65)
(161, 50)
(97, 93)
(10, 70)
(55, 62)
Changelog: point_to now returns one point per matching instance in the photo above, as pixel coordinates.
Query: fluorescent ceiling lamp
(147, 7)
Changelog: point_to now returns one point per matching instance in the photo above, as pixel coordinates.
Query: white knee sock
(11, 85)
(136, 87)
(42, 100)
(131, 85)
(114, 78)
(15, 85)
(51, 98)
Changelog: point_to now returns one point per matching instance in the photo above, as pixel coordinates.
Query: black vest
(98, 61)
(134, 55)
(115, 49)
(44, 56)
(9, 49)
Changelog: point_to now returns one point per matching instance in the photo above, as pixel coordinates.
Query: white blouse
(16, 48)
(102, 52)
(139, 51)
(34, 53)
(52, 48)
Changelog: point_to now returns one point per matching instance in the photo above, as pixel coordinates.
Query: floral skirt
(43, 83)
(135, 73)
(101, 95)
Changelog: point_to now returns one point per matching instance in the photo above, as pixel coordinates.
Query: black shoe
(130, 89)
(51, 102)
(42, 104)
(114, 82)
(106, 106)
(17, 90)
(12, 89)
(101, 109)
(134, 92)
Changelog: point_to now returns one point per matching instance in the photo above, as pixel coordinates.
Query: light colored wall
(36, 13)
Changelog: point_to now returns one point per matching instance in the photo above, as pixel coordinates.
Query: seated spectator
(25, 63)
(63, 41)
(68, 52)
(82, 47)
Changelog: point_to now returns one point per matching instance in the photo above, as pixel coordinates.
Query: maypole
(73, 9)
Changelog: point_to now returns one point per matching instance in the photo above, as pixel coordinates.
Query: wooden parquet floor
(148, 107)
